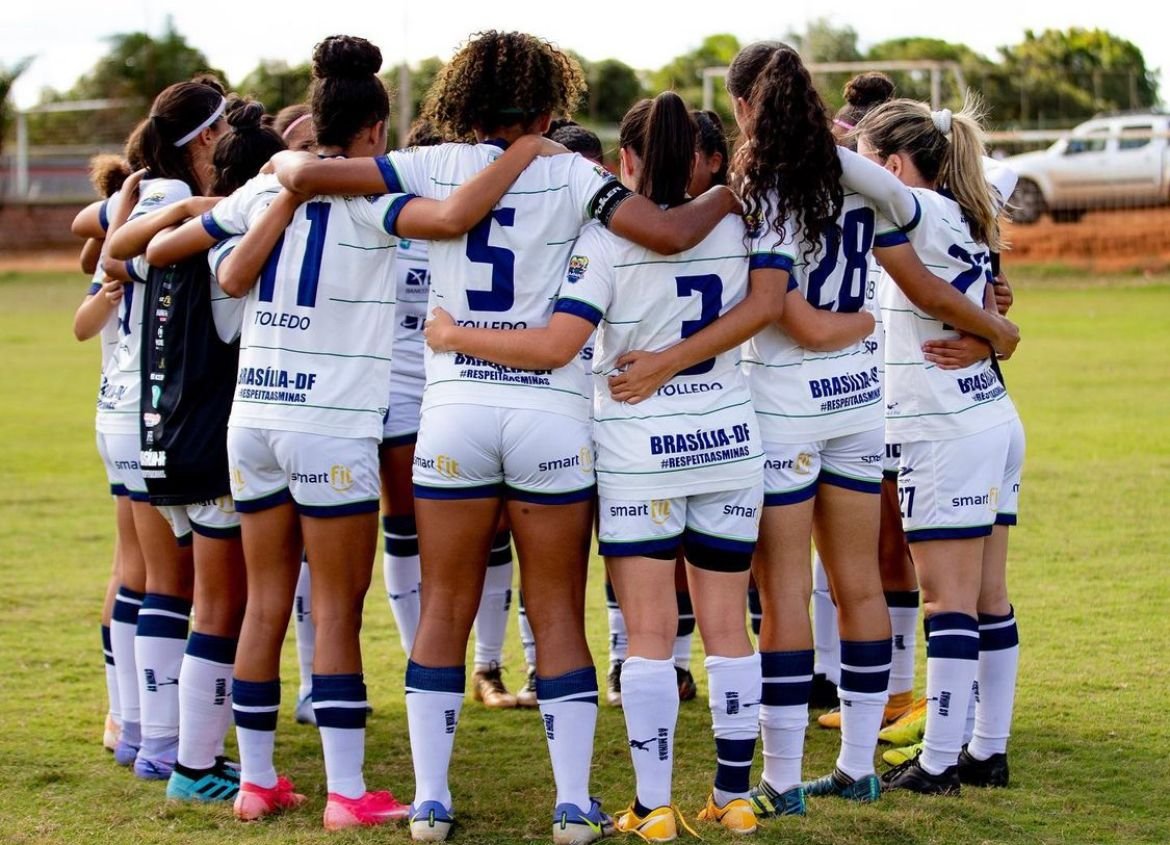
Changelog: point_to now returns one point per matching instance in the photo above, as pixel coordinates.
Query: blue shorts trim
(119, 490)
(858, 485)
(534, 497)
(215, 533)
(185, 540)
(400, 440)
(263, 503)
(1005, 519)
(889, 475)
(347, 509)
(790, 497)
(967, 532)
(655, 548)
(481, 491)
(138, 496)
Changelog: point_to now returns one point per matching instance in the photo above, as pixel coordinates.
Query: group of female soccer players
(736, 408)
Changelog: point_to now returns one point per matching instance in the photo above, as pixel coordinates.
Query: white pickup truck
(1107, 162)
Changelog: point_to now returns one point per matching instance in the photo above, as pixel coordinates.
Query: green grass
(1091, 736)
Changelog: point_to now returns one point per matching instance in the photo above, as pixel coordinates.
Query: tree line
(1050, 79)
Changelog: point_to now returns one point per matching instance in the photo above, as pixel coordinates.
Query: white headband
(288, 129)
(942, 121)
(212, 118)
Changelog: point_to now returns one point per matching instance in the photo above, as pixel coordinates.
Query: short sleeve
(409, 170)
(234, 214)
(379, 212)
(226, 311)
(587, 288)
(595, 191)
(773, 247)
(160, 193)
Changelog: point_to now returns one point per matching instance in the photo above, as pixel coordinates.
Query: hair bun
(244, 114)
(346, 57)
(868, 89)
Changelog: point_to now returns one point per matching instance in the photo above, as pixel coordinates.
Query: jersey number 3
(710, 289)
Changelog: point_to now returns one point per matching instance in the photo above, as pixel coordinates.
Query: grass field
(1090, 586)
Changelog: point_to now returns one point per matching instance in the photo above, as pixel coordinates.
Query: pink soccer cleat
(255, 802)
(371, 809)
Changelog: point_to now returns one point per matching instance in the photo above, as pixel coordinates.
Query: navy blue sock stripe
(610, 596)
(166, 617)
(107, 647)
(449, 679)
(857, 656)
(577, 685)
(734, 764)
(126, 613)
(212, 648)
(501, 553)
(257, 694)
(902, 598)
(339, 701)
(997, 633)
(400, 534)
(787, 677)
(954, 636)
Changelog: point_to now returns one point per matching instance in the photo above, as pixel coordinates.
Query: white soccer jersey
(924, 402)
(697, 433)
(118, 399)
(316, 342)
(801, 395)
(413, 272)
(227, 311)
(505, 272)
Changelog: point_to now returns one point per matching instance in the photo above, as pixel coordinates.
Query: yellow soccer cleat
(737, 815)
(908, 729)
(656, 826)
(488, 687)
(898, 756)
(898, 706)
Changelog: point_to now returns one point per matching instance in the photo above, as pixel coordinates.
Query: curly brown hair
(786, 165)
(502, 79)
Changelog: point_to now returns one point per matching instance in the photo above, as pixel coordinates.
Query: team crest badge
(659, 511)
(578, 264)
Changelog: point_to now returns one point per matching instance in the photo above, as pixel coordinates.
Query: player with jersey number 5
(962, 449)
(306, 419)
(492, 435)
(681, 471)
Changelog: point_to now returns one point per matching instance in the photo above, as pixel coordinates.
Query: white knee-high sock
(491, 622)
(434, 697)
(826, 642)
(159, 645)
(306, 631)
(865, 677)
(123, 630)
(650, 705)
(339, 703)
(903, 606)
(734, 690)
(787, 684)
(205, 705)
(255, 705)
(568, 706)
(952, 657)
(999, 662)
(400, 571)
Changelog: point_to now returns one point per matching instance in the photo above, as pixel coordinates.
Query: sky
(67, 37)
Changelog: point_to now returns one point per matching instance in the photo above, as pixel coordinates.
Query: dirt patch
(56, 260)
(1102, 240)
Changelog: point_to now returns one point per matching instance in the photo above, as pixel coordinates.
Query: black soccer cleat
(911, 776)
(990, 772)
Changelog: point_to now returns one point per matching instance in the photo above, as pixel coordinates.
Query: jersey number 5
(500, 259)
